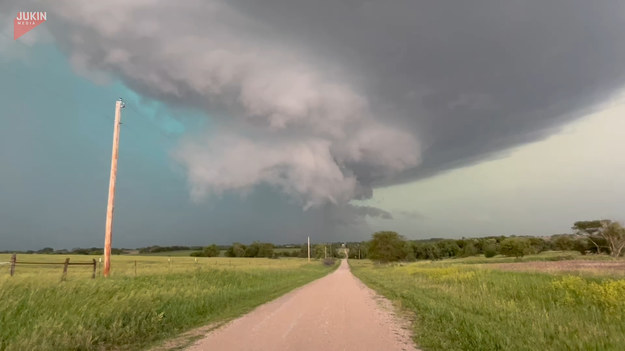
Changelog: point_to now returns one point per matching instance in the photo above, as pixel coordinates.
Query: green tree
(515, 247)
(448, 248)
(208, 251)
(211, 251)
(562, 242)
(316, 251)
(538, 245)
(469, 249)
(612, 232)
(490, 250)
(265, 250)
(388, 247)
(357, 250)
(236, 250)
(252, 250)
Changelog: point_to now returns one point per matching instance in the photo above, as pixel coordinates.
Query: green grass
(466, 307)
(543, 256)
(166, 298)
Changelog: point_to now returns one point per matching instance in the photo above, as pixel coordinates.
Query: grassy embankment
(460, 306)
(166, 298)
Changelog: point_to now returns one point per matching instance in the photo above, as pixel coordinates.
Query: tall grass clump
(467, 307)
(127, 312)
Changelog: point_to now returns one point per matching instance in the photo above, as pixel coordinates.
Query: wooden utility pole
(108, 236)
(308, 249)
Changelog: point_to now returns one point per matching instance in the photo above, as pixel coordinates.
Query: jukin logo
(24, 22)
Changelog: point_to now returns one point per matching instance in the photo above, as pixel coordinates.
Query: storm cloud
(326, 100)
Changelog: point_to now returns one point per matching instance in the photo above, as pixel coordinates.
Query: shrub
(490, 250)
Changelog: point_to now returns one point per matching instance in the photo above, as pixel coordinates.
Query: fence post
(135, 268)
(95, 267)
(65, 269)
(13, 260)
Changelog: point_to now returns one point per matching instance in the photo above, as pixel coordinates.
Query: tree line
(589, 237)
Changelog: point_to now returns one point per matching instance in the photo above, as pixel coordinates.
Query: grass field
(167, 297)
(461, 306)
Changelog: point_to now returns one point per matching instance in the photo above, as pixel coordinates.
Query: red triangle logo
(24, 22)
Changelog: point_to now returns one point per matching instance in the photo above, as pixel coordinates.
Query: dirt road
(336, 312)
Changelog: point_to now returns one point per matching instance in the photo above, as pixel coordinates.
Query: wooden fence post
(65, 269)
(135, 268)
(13, 260)
(95, 267)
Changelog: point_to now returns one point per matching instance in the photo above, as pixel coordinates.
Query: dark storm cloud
(325, 100)
(469, 78)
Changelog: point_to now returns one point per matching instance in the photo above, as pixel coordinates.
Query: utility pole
(108, 235)
(325, 252)
(308, 249)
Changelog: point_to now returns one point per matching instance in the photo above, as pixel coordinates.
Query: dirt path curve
(336, 312)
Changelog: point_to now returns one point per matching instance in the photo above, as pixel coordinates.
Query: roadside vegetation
(460, 306)
(166, 297)
(564, 292)
(597, 237)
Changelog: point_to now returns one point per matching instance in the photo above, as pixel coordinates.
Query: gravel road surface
(336, 312)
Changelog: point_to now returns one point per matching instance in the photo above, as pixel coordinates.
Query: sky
(276, 120)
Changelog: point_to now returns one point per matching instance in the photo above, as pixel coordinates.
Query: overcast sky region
(275, 120)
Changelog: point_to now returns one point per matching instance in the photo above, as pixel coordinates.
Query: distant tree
(357, 250)
(468, 249)
(317, 251)
(388, 247)
(612, 232)
(236, 250)
(252, 250)
(490, 250)
(538, 245)
(448, 248)
(303, 251)
(515, 247)
(255, 249)
(582, 245)
(433, 252)
(115, 251)
(208, 251)
(46, 250)
(489, 246)
(426, 251)
(562, 242)
(211, 251)
(265, 250)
